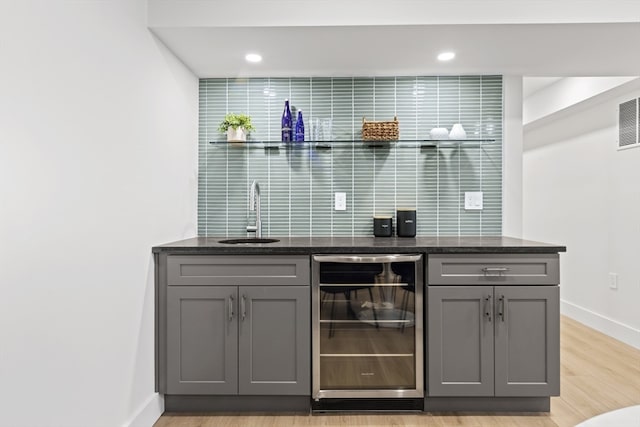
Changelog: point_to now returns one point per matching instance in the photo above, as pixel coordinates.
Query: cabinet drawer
(484, 269)
(240, 270)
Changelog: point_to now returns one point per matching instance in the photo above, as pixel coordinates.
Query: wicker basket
(380, 131)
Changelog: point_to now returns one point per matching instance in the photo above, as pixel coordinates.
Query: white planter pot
(439, 133)
(236, 135)
(457, 132)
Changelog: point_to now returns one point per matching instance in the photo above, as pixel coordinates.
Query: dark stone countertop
(350, 245)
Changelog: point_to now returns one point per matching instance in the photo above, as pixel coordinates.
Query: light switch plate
(473, 200)
(341, 201)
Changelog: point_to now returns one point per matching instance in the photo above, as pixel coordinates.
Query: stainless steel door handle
(230, 308)
(501, 307)
(243, 307)
(488, 308)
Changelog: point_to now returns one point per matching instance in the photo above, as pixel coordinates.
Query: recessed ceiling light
(446, 56)
(253, 57)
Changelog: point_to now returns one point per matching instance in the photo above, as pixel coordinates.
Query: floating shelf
(328, 145)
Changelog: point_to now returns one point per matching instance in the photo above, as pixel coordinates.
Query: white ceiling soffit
(290, 13)
(396, 37)
(569, 91)
(529, 49)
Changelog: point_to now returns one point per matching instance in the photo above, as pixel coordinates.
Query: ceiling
(517, 49)
(401, 37)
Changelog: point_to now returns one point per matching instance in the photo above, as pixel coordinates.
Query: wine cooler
(367, 326)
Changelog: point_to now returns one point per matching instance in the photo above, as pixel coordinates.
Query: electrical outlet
(613, 280)
(341, 201)
(473, 200)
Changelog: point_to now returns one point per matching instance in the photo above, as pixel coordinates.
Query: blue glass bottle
(287, 123)
(299, 135)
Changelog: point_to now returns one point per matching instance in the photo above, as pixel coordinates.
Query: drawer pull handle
(494, 271)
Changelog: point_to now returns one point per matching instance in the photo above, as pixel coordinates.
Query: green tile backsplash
(298, 185)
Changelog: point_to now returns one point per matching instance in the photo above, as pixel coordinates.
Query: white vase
(236, 135)
(457, 132)
(439, 133)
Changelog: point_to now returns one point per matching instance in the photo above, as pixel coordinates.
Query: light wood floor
(598, 374)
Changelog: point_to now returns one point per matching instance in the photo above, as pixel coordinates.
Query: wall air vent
(628, 124)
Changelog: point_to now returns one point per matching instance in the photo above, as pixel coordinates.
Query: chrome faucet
(254, 205)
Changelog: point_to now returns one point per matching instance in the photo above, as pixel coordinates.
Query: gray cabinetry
(228, 334)
(202, 340)
(275, 342)
(494, 269)
(460, 341)
(527, 340)
(500, 341)
(250, 270)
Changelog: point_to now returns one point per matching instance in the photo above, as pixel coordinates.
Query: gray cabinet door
(527, 341)
(460, 341)
(202, 340)
(274, 348)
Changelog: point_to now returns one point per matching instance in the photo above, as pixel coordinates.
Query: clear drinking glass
(317, 130)
(327, 129)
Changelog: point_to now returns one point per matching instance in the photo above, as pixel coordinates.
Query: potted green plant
(236, 126)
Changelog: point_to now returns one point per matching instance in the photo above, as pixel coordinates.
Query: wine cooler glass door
(368, 326)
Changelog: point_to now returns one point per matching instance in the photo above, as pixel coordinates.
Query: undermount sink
(247, 240)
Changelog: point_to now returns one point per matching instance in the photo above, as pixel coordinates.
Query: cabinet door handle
(243, 307)
(494, 271)
(230, 308)
(487, 308)
(501, 307)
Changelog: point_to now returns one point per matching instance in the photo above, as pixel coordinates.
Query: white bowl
(439, 133)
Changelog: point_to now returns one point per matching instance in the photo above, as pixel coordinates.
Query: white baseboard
(148, 413)
(610, 327)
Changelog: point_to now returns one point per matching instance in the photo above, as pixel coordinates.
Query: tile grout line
(311, 164)
(437, 159)
(459, 174)
(289, 173)
(502, 147)
(226, 180)
(269, 161)
(353, 158)
(395, 154)
(417, 150)
(331, 196)
(480, 149)
(246, 184)
(374, 151)
(206, 173)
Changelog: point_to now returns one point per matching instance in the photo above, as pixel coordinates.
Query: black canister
(382, 226)
(406, 222)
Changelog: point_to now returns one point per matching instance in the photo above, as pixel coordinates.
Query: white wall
(580, 191)
(98, 131)
(512, 157)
